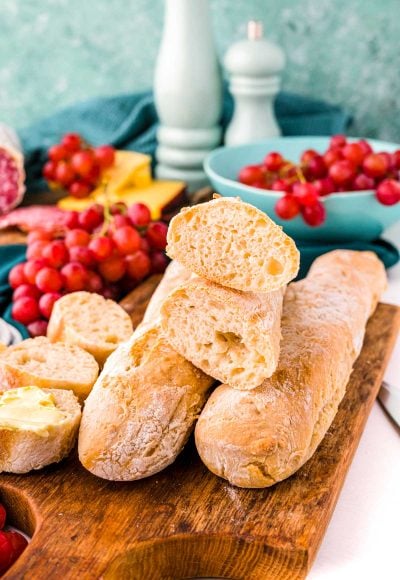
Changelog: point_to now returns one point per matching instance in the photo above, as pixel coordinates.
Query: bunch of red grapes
(12, 544)
(76, 166)
(108, 251)
(344, 166)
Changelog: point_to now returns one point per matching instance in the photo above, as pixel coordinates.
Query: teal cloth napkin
(130, 122)
(9, 257)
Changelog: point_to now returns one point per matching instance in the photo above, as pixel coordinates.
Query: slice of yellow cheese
(29, 408)
(156, 196)
(130, 169)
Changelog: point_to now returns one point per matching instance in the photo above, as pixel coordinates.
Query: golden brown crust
(257, 438)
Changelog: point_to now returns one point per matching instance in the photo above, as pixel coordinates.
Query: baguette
(37, 361)
(88, 320)
(143, 406)
(231, 335)
(234, 244)
(255, 439)
(34, 441)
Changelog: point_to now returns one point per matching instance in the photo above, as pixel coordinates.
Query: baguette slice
(255, 439)
(231, 335)
(144, 404)
(31, 445)
(37, 361)
(88, 320)
(233, 244)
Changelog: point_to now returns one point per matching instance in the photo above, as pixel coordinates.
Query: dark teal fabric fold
(9, 257)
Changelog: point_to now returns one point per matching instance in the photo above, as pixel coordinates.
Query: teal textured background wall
(55, 52)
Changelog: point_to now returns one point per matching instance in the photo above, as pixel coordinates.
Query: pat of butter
(29, 408)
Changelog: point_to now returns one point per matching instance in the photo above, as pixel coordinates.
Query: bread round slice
(233, 244)
(91, 322)
(37, 361)
(27, 448)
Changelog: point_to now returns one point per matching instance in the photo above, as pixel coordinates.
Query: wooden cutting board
(186, 522)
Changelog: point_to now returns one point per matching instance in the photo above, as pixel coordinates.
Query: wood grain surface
(186, 522)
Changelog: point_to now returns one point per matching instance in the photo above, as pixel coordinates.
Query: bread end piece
(233, 244)
(22, 451)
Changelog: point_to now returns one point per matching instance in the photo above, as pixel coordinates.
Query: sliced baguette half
(233, 244)
(88, 320)
(37, 361)
(231, 335)
(30, 445)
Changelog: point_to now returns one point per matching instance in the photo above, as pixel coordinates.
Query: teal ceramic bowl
(349, 216)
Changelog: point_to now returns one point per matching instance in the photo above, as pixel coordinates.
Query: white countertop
(362, 540)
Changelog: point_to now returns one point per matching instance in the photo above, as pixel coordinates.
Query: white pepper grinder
(188, 92)
(255, 65)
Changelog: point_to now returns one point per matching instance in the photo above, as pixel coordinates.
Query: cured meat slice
(12, 173)
(44, 217)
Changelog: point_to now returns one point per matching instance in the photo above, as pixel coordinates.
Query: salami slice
(44, 217)
(12, 173)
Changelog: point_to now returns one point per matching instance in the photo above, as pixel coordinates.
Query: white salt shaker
(188, 92)
(255, 65)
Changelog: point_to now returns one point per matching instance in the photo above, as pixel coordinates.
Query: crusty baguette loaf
(257, 438)
(37, 361)
(24, 449)
(233, 244)
(143, 406)
(88, 320)
(231, 335)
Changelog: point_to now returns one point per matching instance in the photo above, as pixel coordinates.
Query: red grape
(287, 207)
(281, 185)
(355, 153)
(35, 250)
(324, 186)
(83, 255)
(159, 262)
(126, 240)
(77, 237)
(305, 193)
(75, 276)
(82, 162)
(273, 161)
(57, 153)
(56, 254)
(25, 310)
(64, 173)
(26, 290)
(46, 303)
(72, 220)
(94, 282)
(139, 214)
(112, 269)
(366, 147)
(49, 280)
(3, 516)
(316, 167)
(37, 328)
(331, 156)
(101, 248)
(388, 192)
(91, 217)
(251, 173)
(156, 235)
(18, 542)
(144, 245)
(375, 165)
(71, 142)
(121, 220)
(362, 182)
(16, 276)
(337, 141)
(138, 265)
(38, 236)
(79, 189)
(342, 172)
(93, 176)
(307, 155)
(396, 159)
(32, 267)
(49, 170)
(119, 207)
(314, 215)
(105, 155)
(6, 552)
